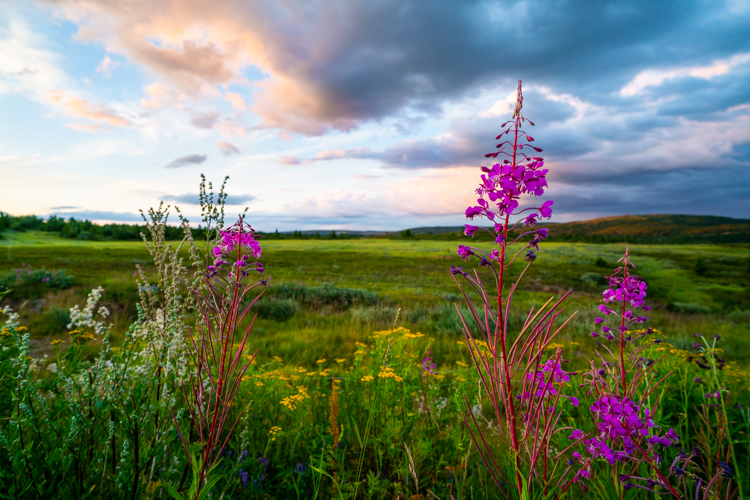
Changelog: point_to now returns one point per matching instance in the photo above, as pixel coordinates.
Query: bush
(28, 283)
(277, 310)
(325, 295)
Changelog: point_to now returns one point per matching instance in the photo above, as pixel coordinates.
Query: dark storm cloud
(384, 57)
(186, 161)
(692, 191)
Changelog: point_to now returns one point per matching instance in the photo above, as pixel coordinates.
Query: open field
(411, 275)
(317, 404)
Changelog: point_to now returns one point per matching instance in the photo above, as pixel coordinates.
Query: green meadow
(693, 288)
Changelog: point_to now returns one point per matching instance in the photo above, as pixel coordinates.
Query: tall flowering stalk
(217, 346)
(623, 380)
(525, 391)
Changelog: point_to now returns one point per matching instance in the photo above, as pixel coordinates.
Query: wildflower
(725, 470)
(274, 430)
(574, 401)
(576, 435)
(470, 230)
(530, 256)
(243, 477)
(696, 346)
(464, 252)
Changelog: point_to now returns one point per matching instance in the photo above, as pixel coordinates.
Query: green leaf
(172, 491)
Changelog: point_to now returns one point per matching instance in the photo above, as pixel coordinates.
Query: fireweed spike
(526, 392)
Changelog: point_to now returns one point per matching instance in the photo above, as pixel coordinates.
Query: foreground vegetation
(324, 302)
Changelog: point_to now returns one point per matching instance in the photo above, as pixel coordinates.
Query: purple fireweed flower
(464, 252)
(495, 255)
(470, 230)
(243, 477)
(696, 346)
(542, 234)
(576, 435)
(427, 366)
(530, 256)
(574, 401)
(698, 380)
(598, 321)
(606, 329)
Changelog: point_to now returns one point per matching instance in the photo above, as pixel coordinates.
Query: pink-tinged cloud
(227, 149)
(75, 106)
(290, 160)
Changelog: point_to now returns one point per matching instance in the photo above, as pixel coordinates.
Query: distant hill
(633, 228)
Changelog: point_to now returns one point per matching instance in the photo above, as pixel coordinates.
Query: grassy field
(695, 288)
(319, 414)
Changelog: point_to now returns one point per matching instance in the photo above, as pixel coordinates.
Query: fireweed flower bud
(464, 252)
(696, 346)
(530, 256)
(698, 380)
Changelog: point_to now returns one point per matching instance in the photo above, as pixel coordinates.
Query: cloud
(186, 161)
(64, 207)
(334, 65)
(106, 66)
(193, 198)
(76, 106)
(205, 120)
(228, 149)
(236, 100)
(656, 77)
(97, 215)
(289, 160)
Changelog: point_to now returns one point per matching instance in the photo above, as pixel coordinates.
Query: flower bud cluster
(240, 237)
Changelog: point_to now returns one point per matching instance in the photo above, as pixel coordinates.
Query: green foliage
(276, 309)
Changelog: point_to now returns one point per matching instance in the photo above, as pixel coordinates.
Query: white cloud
(655, 77)
(106, 66)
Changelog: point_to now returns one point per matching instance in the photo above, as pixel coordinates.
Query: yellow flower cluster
(554, 346)
(57, 341)
(462, 364)
(405, 332)
(388, 372)
(274, 430)
(368, 378)
(292, 401)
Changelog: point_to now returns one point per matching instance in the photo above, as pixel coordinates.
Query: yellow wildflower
(57, 341)
(321, 361)
(368, 378)
(461, 363)
(340, 360)
(274, 430)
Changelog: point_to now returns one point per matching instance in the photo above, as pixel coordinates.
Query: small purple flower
(598, 321)
(574, 401)
(576, 435)
(698, 380)
(464, 252)
(470, 230)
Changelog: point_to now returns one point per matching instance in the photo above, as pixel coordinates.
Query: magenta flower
(470, 230)
(576, 435)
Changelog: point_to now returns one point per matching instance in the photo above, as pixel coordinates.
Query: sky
(370, 115)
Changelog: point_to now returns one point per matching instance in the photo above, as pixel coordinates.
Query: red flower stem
(214, 417)
(622, 329)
